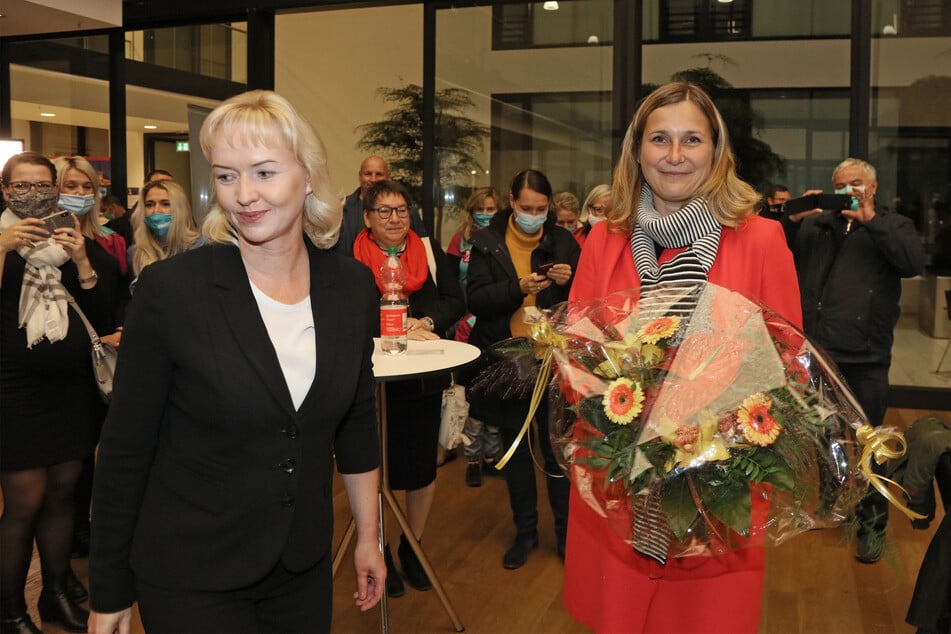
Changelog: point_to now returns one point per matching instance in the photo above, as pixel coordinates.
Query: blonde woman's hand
(73, 241)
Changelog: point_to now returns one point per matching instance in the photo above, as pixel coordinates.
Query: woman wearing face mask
(596, 206)
(164, 227)
(79, 194)
(502, 284)
(484, 445)
(49, 405)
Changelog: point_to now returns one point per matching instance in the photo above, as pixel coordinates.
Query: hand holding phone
(544, 268)
(58, 220)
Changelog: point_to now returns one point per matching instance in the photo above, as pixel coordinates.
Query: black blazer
(207, 476)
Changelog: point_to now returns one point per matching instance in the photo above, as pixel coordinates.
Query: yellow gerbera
(623, 401)
(758, 425)
(659, 329)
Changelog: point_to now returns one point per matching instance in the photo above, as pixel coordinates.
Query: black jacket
(208, 476)
(851, 282)
(492, 287)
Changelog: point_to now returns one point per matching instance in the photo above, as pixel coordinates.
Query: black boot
(394, 585)
(15, 620)
(59, 608)
(414, 571)
(74, 587)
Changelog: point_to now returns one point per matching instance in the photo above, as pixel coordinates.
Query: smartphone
(57, 220)
(544, 268)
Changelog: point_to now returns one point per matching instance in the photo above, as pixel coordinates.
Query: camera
(835, 202)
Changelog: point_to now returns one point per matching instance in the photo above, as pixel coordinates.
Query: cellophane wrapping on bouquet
(696, 421)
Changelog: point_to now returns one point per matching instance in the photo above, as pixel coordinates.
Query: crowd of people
(241, 383)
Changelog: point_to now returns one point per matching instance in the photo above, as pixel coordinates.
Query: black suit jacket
(207, 476)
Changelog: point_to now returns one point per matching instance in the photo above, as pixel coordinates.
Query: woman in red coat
(680, 214)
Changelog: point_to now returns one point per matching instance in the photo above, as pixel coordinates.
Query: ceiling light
(550, 6)
(47, 114)
(150, 127)
(724, 1)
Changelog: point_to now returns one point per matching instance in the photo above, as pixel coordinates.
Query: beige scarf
(43, 306)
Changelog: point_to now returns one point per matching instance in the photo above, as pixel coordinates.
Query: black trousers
(283, 601)
(869, 383)
(520, 472)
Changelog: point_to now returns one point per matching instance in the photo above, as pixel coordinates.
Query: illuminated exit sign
(181, 146)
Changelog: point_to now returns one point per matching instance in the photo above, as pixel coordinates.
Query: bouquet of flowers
(696, 421)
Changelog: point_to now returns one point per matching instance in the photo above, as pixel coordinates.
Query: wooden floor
(813, 582)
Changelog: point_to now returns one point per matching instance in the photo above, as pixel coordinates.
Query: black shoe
(59, 608)
(517, 554)
(474, 474)
(17, 622)
(871, 547)
(394, 585)
(415, 574)
(74, 587)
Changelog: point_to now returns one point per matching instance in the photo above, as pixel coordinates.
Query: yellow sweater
(520, 246)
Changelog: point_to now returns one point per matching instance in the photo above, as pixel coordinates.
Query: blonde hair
(264, 118)
(566, 200)
(729, 199)
(477, 198)
(598, 191)
(181, 234)
(89, 223)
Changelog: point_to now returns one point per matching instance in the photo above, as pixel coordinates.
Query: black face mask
(32, 204)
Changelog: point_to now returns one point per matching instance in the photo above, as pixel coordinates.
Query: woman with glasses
(412, 406)
(49, 405)
(505, 279)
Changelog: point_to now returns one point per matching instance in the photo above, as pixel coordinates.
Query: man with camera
(850, 263)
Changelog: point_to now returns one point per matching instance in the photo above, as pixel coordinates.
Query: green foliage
(398, 137)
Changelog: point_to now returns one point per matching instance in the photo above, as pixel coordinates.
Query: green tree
(757, 164)
(398, 137)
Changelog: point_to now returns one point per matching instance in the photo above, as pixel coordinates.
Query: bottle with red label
(394, 306)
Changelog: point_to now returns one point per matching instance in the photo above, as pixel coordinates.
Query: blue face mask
(482, 220)
(158, 223)
(77, 204)
(528, 223)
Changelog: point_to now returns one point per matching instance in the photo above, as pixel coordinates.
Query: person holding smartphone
(522, 259)
(49, 404)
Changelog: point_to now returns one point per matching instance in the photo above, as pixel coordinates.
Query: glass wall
(548, 109)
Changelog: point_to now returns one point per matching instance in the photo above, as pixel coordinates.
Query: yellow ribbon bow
(545, 340)
(883, 445)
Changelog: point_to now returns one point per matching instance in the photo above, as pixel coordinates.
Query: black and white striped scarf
(692, 226)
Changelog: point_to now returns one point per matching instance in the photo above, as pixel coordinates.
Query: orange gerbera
(758, 425)
(623, 401)
(659, 329)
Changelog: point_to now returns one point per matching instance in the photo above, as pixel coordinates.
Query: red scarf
(413, 258)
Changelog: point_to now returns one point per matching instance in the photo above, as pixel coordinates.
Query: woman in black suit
(245, 371)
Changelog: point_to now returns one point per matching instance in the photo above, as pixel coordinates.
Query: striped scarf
(692, 226)
(43, 307)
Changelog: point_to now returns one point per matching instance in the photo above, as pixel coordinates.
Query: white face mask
(593, 220)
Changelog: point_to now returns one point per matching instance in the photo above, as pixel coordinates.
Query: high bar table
(422, 358)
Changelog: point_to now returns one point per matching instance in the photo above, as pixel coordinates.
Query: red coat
(609, 587)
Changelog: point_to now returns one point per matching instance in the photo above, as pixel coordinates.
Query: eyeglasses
(22, 187)
(385, 212)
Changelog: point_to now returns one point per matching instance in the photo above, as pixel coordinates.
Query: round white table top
(422, 358)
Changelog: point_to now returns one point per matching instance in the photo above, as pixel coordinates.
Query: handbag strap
(93, 337)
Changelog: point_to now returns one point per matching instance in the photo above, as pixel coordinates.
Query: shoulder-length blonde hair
(264, 118)
(598, 191)
(90, 222)
(477, 198)
(729, 198)
(181, 234)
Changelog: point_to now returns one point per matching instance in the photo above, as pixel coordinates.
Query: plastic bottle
(394, 306)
